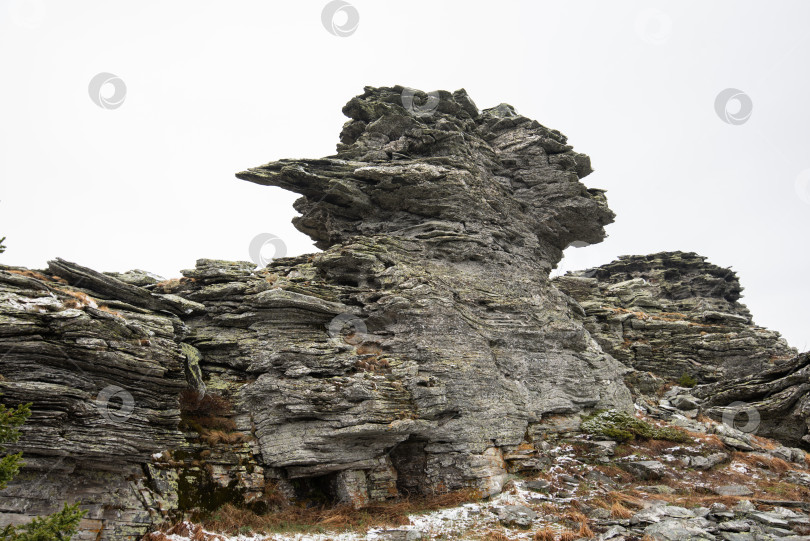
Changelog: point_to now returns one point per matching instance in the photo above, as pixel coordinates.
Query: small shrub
(687, 381)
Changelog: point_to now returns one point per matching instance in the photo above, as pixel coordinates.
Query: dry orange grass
(567, 535)
(708, 440)
(38, 275)
(544, 534)
(496, 536)
(78, 300)
(766, 443)
(781, 490)
(231, 519)
(615, 472)
(615, 496)
(549, 508)
(215, 437)
(585, 531)
(617, 510)
(107, 309)
(599, 502)
(655, 446)
(776, 465)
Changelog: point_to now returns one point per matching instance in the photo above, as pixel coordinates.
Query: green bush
(57, 527)
(621, 426)
(687, 381)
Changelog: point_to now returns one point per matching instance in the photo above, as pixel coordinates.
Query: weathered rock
(540, 485)
(421, 348)
(684, 402)
(769, 519)
(732, 490)
(735, 526)
(774, 403)
(515, 515)
(645, 469)
(676, 530)
(674, 314)
(424, 350)
(103, 376)
(700, 462)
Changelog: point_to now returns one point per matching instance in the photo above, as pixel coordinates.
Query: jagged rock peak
(471, 185)
(681, 275)
(674, 313)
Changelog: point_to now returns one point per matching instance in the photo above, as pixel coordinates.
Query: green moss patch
(621, 426)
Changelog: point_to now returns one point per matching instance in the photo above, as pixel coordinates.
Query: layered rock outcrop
(674, 314)
(775, 403)
(424, 350)
(103, 372)
(416, 354)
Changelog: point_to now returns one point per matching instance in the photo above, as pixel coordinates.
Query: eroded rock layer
(775, 402)
(674, 314)
(418, 353)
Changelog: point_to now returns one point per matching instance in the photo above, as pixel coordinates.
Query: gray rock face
(424, 350)
(516, 515)
(414, 355)
(732, 490)
(440, 231)
(673, 313)
(645, 469)
(774, 403)
(492, 186)
(103, 376)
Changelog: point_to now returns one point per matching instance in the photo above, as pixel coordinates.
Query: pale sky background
(213, 88)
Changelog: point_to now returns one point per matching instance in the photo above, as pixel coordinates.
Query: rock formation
(674, 314)
(424, 350)
(775, 401)
(414, 355)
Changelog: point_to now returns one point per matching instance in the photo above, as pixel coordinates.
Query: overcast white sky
(216, 87)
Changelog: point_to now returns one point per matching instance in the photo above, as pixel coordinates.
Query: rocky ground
(723, 484)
